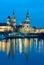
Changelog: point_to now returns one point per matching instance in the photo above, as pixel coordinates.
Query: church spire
(27, 14)
(13, 19)
(27, 17)
(13, 15)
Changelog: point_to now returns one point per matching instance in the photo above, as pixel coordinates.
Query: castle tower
(27, 18)
(8, 20)
(13, 19)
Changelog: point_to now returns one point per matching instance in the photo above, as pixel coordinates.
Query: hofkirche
(23, 28)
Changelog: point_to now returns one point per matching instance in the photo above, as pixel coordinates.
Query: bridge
(12, 35)
(30, 35)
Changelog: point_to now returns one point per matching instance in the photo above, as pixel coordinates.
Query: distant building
(6, 26)
(24, 28)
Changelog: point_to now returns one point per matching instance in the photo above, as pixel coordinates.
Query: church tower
(13, 20)
(27, 18)
(8, 21)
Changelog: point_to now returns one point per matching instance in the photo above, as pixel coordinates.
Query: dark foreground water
(34, 59)
(32, 55)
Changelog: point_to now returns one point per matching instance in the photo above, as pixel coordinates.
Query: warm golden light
(8, 47)
(3, 45)
(20, 45)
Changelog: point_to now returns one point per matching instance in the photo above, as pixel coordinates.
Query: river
(27, 51)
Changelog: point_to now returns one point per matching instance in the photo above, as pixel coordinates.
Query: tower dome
(8, 20)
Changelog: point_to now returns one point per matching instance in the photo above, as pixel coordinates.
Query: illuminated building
(25, 27)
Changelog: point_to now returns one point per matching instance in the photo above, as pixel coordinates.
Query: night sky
(35, 8)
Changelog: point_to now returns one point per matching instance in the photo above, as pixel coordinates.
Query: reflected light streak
(20, 45)
(3, 45)
(8, 47)
(13, 46)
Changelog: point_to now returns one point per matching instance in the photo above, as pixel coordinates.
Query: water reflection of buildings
(22, 44)
(6, 45)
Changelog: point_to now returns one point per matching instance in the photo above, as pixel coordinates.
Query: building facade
(24, 28)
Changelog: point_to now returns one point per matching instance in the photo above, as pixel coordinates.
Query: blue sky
(35, 8)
